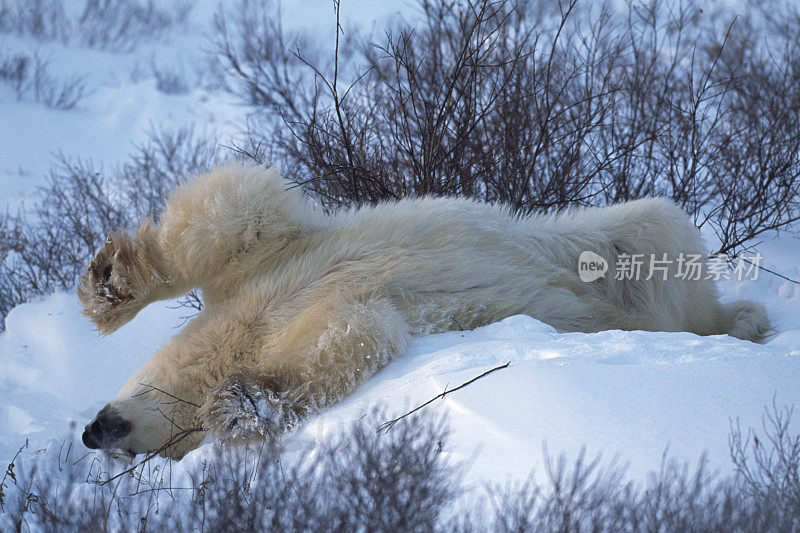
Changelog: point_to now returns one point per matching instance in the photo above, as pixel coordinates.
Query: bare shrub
(582, 497)
(114, 25)
(69, 222)
(758, 171)
(768, 464)
(361, 481)
(761, 495)
(366, 480)
(46, 20)
(537, 105)
(14, 71)
(170, 80)
(29, 74)
(122, 25)
(58, 490)
(155, 168)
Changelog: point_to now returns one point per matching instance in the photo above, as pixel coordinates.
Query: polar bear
(302, 306)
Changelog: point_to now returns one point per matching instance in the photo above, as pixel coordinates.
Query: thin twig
(10, 472)
(152, 387)
(765, 269)
(178, 437)
(386, 426)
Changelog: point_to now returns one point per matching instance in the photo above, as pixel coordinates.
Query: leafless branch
(386, 426)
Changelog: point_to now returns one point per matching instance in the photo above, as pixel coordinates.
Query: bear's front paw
(245, 406)
(117, 282)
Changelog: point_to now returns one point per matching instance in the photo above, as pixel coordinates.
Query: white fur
(317, 303)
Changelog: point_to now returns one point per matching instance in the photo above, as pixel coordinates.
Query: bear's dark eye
(107, 272)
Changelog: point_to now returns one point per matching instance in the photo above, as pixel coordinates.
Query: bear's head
(145, 419)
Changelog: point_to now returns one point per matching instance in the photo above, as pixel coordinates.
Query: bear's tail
(746, 320)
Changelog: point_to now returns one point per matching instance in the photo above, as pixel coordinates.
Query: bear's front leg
(229, 373)
(324, 354)
(127, 274)
(248, 405)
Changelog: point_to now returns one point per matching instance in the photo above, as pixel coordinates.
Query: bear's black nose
(106, 430)
(88, 440)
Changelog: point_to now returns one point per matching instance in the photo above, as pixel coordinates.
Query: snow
(123, 105)
(632, 395)
(117, 114)
(56, 369)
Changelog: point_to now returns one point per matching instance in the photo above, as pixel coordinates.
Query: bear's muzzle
(106, 430)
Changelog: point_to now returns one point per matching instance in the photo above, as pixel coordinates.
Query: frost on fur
(245, 407)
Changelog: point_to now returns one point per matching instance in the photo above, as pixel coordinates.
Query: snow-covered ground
(633, 395)
(626, 394)
(123, 104)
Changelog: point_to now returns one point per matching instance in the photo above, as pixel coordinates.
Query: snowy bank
(629, 395)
